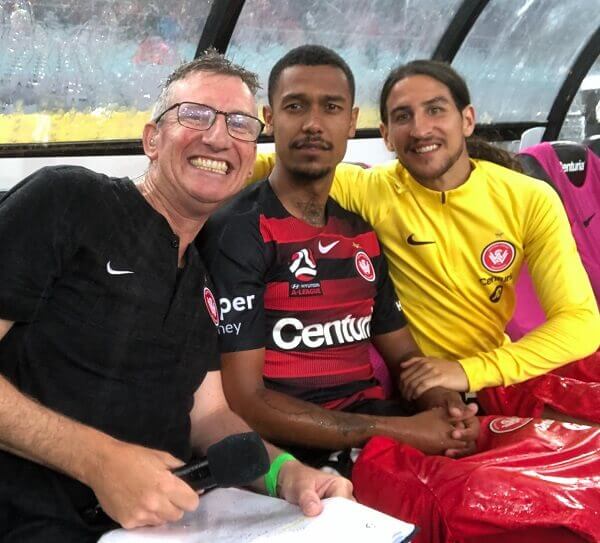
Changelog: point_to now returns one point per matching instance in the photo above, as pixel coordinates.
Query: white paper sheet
(239, 516)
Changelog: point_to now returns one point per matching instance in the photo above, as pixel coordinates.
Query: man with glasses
(108, 350)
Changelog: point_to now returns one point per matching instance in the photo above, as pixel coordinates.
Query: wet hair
(440, 71)
(310, 55)
(477, 147)
(210, 61)
(484, 150)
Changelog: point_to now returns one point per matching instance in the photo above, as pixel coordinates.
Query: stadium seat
(574, 171)
(593, 143)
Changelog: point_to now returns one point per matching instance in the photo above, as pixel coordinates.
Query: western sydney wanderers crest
(303, 267)
(503, 425)
(498, 256)
(211, 305)
(364, 266)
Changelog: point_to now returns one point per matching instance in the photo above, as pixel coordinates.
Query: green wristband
(273, 473)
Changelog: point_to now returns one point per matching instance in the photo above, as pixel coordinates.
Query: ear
(468, 117)
(268, 117)
(354, 120)
(150, 138)
(383, 129)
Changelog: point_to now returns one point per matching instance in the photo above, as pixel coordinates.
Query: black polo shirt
(107, 330)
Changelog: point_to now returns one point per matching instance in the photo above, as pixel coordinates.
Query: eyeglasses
(201, 117)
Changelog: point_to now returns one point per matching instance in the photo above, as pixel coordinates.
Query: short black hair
(310, 55)
(440, 71)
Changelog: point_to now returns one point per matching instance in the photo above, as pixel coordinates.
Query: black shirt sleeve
(37, 236)
(234, 252)
(387, 313)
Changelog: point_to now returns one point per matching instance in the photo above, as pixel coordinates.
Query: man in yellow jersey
(456, 231)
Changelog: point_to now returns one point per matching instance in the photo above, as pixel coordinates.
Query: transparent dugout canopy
(518, 53)
(583, 118)
(90, 70)
(77, 70)
(370, 36)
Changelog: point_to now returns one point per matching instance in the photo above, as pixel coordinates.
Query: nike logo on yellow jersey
(412, 241)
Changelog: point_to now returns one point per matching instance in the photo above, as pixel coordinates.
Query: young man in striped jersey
(303, 287)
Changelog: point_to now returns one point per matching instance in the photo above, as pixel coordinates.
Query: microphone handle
(196, 474)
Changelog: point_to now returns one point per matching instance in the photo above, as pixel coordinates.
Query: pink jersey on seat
(575, 173)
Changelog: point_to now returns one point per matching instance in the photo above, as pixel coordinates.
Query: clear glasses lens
(195, 116)
(200, 117)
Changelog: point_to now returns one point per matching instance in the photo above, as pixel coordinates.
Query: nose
(313, 122)
(217, 135)
(421, 125)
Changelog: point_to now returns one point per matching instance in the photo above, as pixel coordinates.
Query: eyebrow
(327, 97)
(232, 112)
(429, 102)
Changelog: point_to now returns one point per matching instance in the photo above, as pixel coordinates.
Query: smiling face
(427, 131)
(201, 168)
(311, 117)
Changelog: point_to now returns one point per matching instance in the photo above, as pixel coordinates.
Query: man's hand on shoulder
(305, 486)
(135, 486)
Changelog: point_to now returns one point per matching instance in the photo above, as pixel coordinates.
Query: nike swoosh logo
(586, 223)
(112, 271)
(326, 248)
(412, 241)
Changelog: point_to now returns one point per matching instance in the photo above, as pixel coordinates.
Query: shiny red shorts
(573, 389)
(531, 481)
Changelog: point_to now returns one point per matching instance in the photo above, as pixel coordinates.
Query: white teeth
(215, 166)
(427, 149)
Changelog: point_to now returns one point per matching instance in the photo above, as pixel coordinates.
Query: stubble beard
(427, 177)
(306, 174)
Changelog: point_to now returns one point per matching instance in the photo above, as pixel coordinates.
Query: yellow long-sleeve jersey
(454, 258)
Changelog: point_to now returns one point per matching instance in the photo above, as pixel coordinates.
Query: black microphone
(236, 460)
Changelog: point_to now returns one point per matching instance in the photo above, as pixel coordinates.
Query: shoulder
(380, 173)
(67, 177)
(236, 223)
(61, 186)
(515, 183)
(244, 207)
(353, 223)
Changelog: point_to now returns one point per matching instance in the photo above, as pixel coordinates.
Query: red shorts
(531, 481)
(573, 389)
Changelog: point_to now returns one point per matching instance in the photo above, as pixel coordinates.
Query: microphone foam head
(238, 459)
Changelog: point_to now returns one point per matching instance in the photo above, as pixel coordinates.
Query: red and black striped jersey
(310, 296)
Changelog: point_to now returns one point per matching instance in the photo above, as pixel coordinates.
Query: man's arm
(572, 328)
(396, 348)
(399, 346)
(285, 419)
(213, 420)
(133, 484)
